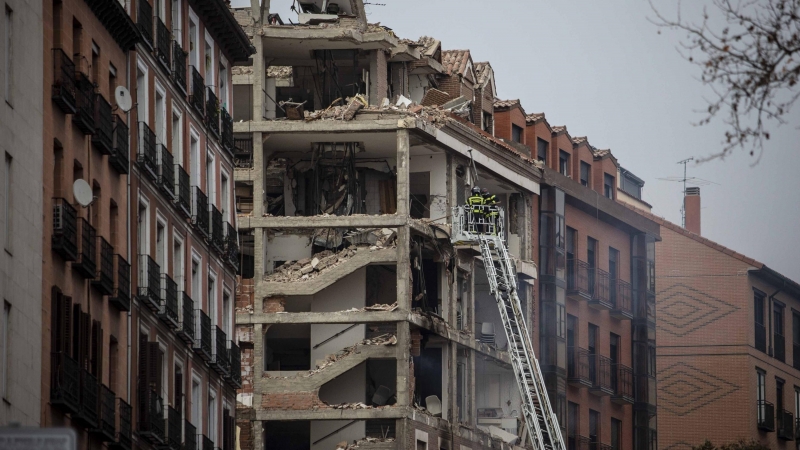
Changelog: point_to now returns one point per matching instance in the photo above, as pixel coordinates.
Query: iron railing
(183, 191)
(601, 298)
(151, 416)
(235, 372)
(243, 153)
(197, 90)
(227, 130)
(200, 214)
(202, 334)
(149, 283)
(104, 125)
(621, 306)
(217, 231)
(601, 381)
(219, 352)
(765, 415)
(63, 92)
(64, 382)
(785, 425)
(104, 278)
(106, 414)
(163, 37)
(232, 246)
(166, 172)
(124, 439)
(578, 373)
(578, 283)
(147, 155)
(189, 436)
(89, 393)
(212, 112)
(169, 313)
(208, 444)
(65, 229)
(121, 148)
(121, 297)
(186, 326)
(144, 19)
(622, 382)
(174, 431)
(179, 66)
(84, 101)
(86, 263)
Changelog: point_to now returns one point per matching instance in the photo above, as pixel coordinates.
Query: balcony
(87, 414)
(124, 432)
(212, 112)
(104, 125)
(174, 431)
(219, 352)
(121, 297)
(200, 214)
(786, 425)
(645, 438)
(120, 150)
(186, 325)
(578, 367)
(147, 155)
(578, 286)
(166, 172)
(235, 374)
(765, 416)
(63, 93)
(600, 373)
(144, 20)
(64, 382)
(189, 436)
(84, 101)
(601, 295)
(780, 347)
(168, 313)
(183, 192)
(65, 230)
(179, 66)
(104, 280)
(227, 131)
(151, 424)
(621, 301)
(197, 91)
(163, 41)
(86, 263)
(217, 231)
(243, 153)
(208, 444)
(622, 382)
(107, 415)
(232, 247)
(149, 283)
(202, 334)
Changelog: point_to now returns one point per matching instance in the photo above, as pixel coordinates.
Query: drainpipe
(128, 228)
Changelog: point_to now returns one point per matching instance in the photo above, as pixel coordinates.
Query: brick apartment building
(358, 320)
(728, 342)
(138, 286)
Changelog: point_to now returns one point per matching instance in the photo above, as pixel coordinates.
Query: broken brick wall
(245, 290)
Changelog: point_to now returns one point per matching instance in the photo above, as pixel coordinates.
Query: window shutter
(97, 349)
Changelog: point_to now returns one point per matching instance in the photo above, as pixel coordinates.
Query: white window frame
(179, 362)
(194, 38)
(224, 197)
(212, 297)
(161, 135)
(197, 403)
(211, 185)
(165, 371)
(179, 278)
(223, 92)
(212, 415)
(177, 147)
(209, 80)
(177, 21)
(162, 221)
(145, 109)
(197, 296)
(227, 312)
(194, 157)
(143, 240)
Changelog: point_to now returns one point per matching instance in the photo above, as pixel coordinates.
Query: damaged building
(360, 324)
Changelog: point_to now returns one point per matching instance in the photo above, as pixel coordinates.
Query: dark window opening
(419, 195)
(541, 149)
(428, 376)
(608, 186)
(778, 334)
(758, 319)
(381, 285)
(563, 163)
(289, 435)
(616, 434)
(585, 171)
(573, 425)
(591, 260)
(287, 347)
(488, 123)
(572, 239)
(594, 429)
(516, 133)
(796, 341)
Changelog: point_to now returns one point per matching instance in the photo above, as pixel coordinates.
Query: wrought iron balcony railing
(144, 20)
(87, 414)
(622, 382)
(208, 444)
(65, 229)
(104, 125)
(212, 112)
(163, 40)
(121, 297)
(186, 326)
(149, 283)
(785, 425)
(84, 101)
(197, 91)
(166, 172)
(227, 130)
(63, 92)
(202, 334)
(189, 436)
(200, 213)
(107, 415)
(217, 230)
(151, 424)
(86, 264)
(168, 312)
(601, 294)
(174, 431)
(578, 373)
(124, 437)
(219, 352)
(104, 279)
(179, 66)
(765, 418)
(243, 153)
(120, 151)
(183, 191)
(147, 155)
(600, 368)
(621, 306)
(578, 282)
(235, 374)
(65, 378)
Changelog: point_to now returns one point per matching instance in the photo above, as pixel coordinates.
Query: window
(226, 314)
(95, 63)
(585, 171)
(112, 80)
(488, 125)
(573, 425)
(223, 86)
(796, 339)
(197, 419)
(161, 115)
(613, 275)
(224, 194)
(208, 54)
(592, 348)
(194, 159)
(761, 389)
(6, 219)
(614, 349)
(594, 427)
(572, 237)
(8, 70)
(142, 111)
(572, 339)
(591, 260)
(212, 416)
(177, 136)
(616, 434)
(796, 401)
(516, 133)
(608, 186)
(758, 319)
(143, 228)
(161, 245)
(196, 289)
(194, 59)
(113, 361)
(177, 263)
(177, 389)
(177, 31)
(211, 187)
(779, 383)
(5, 333)
(778, 335)
(212, 299)
(563, 163)
(541, 149)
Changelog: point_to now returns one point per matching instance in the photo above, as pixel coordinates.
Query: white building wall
(21, 110)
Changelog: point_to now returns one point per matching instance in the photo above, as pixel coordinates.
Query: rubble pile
(384, 339)
(367, 441)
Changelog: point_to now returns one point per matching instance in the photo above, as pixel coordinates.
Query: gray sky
(601, 69)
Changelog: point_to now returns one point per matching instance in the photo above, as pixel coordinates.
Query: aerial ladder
(483, 224)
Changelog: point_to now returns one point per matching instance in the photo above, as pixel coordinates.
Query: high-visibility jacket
(476, 201)
(490, 200)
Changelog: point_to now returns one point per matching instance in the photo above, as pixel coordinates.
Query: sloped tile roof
(531, 118)
(559, 128)
(579, 140)
(455, 61)
(506, 103)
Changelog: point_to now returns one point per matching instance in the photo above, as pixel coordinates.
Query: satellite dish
(82, 192)
(123, 98)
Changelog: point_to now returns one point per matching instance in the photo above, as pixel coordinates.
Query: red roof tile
(455, 61)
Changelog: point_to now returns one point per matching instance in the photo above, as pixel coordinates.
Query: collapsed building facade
(360, 324)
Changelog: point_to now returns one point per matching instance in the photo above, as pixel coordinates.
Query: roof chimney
(691, 207)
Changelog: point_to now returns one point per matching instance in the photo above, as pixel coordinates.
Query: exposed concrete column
(258, 435)
(403, 165)
(258, 359)
(259, 74)
(403, 357)
(378, 77)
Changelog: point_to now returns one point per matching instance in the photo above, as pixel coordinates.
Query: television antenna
(685, 179)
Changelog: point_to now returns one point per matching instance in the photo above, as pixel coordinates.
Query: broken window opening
(498, 397)
(428, 379)
(425, 273)
(287, 347)
(247, 262)
(420, 195)
(295, 434)
(381, 285)
(243, 191)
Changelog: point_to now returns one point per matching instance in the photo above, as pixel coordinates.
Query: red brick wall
(292, 400)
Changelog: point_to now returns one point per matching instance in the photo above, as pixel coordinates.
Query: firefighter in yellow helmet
(475, 211)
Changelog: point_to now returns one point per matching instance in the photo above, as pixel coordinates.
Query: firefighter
(475, 210)
(490, 208)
